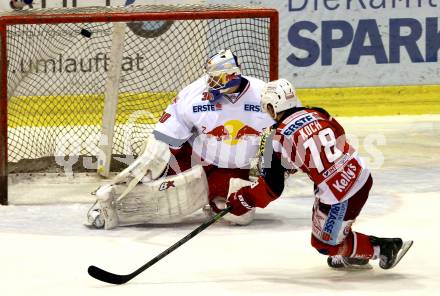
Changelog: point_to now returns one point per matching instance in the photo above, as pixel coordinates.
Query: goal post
(111, 99)
(74, 98)
(3, 119)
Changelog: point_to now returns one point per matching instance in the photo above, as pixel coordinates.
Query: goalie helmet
(223, 72)
(280, 94)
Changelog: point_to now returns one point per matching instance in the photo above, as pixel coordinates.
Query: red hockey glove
(256, 195)
(240, 202)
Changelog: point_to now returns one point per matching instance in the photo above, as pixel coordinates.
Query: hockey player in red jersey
(310, 140)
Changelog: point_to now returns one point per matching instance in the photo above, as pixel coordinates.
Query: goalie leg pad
(166, 200)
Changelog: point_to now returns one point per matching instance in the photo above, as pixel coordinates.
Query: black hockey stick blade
(107, 277)
(118, 279)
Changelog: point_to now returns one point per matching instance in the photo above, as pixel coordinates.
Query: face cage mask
(219, 84)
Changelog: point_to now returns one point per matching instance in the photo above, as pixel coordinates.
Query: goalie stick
(118, 279)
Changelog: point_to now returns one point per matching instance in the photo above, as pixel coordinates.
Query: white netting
(57, 75)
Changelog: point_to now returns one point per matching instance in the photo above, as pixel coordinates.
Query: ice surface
(45, 250)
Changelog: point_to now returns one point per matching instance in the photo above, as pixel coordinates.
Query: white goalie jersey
(225, 132)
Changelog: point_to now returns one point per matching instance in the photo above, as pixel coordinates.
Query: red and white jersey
(225, 132)
(316, 143)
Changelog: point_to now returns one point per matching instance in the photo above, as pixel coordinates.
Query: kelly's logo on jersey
(341, 183)
(207, 108)
(232, 132)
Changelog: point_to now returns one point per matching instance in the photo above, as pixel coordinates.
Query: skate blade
(405, 247)
(354, 267)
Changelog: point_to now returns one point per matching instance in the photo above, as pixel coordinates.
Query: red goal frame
(73, 15)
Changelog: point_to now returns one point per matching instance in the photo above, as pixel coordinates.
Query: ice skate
(347, 263)
(391, 250)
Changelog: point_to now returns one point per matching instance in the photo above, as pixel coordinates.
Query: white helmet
(223, 72)
(280, 94)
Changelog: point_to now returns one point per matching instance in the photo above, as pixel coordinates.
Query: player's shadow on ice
(262, 221)
(375, 280)
(331, 281)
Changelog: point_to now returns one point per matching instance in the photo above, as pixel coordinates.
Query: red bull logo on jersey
(232, 132)
(219, 133)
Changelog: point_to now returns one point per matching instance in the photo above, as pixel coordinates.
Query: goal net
(82, 88)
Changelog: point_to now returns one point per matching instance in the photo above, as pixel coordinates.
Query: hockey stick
(118, 279)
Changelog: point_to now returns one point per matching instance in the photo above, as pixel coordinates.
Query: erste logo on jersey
(207, 108)
(296, 124)
(252, 108)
